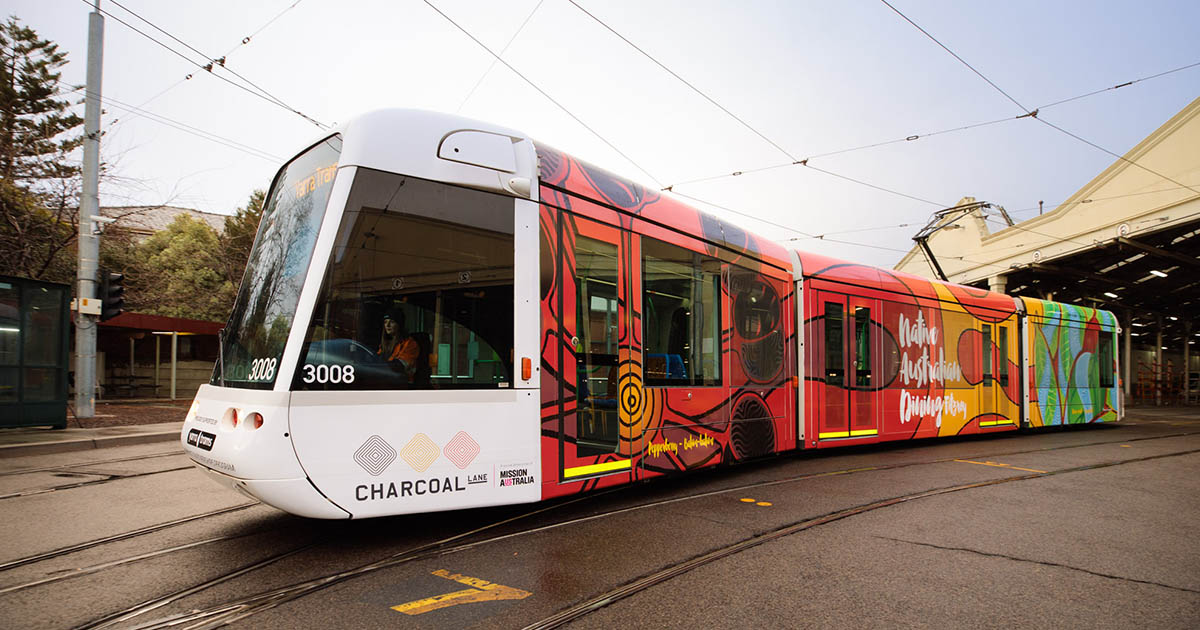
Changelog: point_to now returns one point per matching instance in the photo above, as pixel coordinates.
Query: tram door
(851, 348)
(997, 374)
(595, 322)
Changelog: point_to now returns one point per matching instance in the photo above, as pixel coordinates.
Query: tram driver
(408, 354)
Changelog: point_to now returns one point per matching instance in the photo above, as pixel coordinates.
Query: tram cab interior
(419, 254)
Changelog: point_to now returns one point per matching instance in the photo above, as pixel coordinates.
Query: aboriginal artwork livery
(896, 356)
(664, 349)
(669, 343)
(1071, 364)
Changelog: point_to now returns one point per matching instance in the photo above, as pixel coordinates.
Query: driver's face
(390, 326)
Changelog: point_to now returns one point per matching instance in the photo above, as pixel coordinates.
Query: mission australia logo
(375, 455)
(515, 476)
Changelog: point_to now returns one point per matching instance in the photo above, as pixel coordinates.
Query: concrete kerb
(23, 442)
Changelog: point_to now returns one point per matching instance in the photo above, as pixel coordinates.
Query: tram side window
(681, 316)
(1107, 378)
(418, 293)
(1002, 332)
(862, 347)
(987, 354)
(835, 362)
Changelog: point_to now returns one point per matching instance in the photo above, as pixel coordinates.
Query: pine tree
(39, 176)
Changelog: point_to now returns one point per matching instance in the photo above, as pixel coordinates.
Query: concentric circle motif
(763, 359)
(631, 391)
(753, 432)
(634, 419)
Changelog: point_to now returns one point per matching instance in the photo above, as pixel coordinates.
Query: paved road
(1077, 528)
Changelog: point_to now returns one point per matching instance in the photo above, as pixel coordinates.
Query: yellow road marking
(481, 591)
(764, 503)
(747, 500)
(999, 465)
(1126, 446)
(580, 471)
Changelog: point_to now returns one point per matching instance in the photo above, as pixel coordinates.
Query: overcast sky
(812, 77)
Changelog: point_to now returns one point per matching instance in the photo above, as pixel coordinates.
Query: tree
(182, 273)
(39, 183)
(238, 237)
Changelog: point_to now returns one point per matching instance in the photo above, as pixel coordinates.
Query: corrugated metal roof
(150, 219)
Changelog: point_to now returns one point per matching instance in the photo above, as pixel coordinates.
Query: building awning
(161, 323)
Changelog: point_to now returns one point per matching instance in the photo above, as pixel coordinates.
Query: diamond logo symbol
(375, 455)
(461, 450)
(420, 452)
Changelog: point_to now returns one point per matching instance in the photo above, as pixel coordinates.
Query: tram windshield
(266, 302)
(418, 293)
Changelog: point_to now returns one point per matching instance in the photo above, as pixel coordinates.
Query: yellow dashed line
(999, 465)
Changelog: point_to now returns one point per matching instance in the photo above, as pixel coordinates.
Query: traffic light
(112, 294)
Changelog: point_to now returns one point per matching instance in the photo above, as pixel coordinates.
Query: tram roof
(854, 275)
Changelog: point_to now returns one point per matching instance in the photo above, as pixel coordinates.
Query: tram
(440, 313)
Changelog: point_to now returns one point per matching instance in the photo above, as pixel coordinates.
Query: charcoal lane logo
(375, 455)
(201, 440)
(461, 450)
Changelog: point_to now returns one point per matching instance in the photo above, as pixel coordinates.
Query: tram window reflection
(418, 293)
(682, 319)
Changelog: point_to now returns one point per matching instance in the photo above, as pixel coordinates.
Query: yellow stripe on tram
(994, 423)
(845, 434)
(593, 469)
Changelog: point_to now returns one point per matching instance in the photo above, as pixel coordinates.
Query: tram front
(381, 357)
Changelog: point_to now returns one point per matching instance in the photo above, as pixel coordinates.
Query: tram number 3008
(263, 369)
(328, 373)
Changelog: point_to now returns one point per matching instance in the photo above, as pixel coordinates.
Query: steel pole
(89, 207)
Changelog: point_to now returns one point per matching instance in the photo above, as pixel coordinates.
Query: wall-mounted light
(1111, 294)
(1158, 273)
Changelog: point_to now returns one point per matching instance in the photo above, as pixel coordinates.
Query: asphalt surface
(1089, 527)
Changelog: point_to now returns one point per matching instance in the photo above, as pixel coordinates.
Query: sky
(775, 82)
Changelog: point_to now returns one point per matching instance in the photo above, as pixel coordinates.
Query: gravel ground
(131, 412)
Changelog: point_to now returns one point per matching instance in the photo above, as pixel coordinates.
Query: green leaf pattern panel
(1066, 365)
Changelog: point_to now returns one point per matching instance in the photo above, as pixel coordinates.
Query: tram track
(631, 588)
(119, 460)
(104, 478)
(230, 612)
(83, 546)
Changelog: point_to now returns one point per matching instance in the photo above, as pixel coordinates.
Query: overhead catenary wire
(543, 92)
(685, 82)
(189, 129)
(244, 41)
(218, 62)
(209, 67)
(1028, 112)
(921, 136)
(492, 65)
(741, 121)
